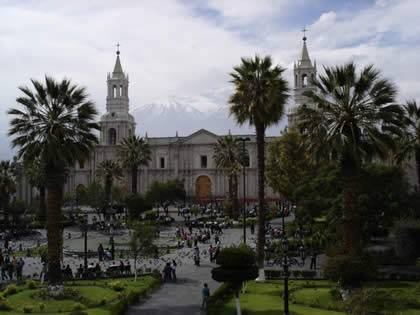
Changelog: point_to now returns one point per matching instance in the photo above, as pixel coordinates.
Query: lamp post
(287, 262)
(244, 157)
(85, 229)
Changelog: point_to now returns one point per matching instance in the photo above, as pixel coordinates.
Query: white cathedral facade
(188, 158)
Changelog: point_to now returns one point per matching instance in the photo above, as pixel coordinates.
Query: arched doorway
(203, 187)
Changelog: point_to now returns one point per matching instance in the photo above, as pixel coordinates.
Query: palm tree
(260, 97)
(35, 171)
(227, 156)
(410, 145)
(353, 119)
(109, 170)
(134, 152)
(7, 187)
(55, 125)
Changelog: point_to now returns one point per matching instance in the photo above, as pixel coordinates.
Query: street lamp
(244, 159)
(85, 229)
(287, 262)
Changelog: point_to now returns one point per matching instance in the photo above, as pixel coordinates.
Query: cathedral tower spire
(117, 123)
(304, 72)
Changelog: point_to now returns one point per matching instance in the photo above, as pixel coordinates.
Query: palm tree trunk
(54, 197)
(42, 206)
(230, 184)
(351, 215)
(260, 131)
(108, 185)
(235, 201)
(134, 179)
(418, 168)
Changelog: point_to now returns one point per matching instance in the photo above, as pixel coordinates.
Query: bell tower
(303, 72)
(117, 123)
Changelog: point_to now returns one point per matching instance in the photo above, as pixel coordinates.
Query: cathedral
(188, 158)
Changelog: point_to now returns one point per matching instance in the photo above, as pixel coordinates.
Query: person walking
(167, 273)
(206, 294)
(313, 260)
(100, 252)
(173, 270)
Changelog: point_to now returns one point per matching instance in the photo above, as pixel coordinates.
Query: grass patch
(314, 297)
(91, 297)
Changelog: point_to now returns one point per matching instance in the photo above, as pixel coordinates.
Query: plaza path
(184, 296)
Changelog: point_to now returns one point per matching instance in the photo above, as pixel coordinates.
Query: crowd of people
(11, 268)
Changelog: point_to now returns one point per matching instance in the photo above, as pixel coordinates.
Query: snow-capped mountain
(160, 120)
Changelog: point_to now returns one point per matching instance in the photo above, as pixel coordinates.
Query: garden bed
(101, 297)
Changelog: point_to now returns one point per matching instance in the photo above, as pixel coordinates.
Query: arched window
(129, 132)
(114, 91)
(304, 80)
(121, 90)
(81, 164)
(112, 136)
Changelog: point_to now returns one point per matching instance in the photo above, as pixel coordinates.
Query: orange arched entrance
(203, 187)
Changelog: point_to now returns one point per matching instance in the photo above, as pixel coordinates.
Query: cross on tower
(118, 48)
(304, 32)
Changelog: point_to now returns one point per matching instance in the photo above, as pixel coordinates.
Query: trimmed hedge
(407, 234)
(272, 274)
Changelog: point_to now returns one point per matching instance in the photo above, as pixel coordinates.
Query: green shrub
(77, 307)
(31, 284)
(10, 289)
(116, 285)
(41, 307)
(308, 274)
(336, 294)
(273, 274)
(156, 274)
(102, 302)
(4, 306)
(28, 309)
(297, 273)
(407, 234)
(349, 270)
(366, 301)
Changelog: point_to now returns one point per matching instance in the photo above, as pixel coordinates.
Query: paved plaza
(181, 297)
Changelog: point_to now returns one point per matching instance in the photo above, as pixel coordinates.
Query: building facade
(188, 158)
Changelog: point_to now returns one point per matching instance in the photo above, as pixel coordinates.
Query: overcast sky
(184, 49)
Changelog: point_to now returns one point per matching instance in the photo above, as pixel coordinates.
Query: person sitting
(122, 268)
(97, 270)
(68, 273)
(79, 273)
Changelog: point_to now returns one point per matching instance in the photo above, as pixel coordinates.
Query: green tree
(136, 205)
(109, 171)
(237, 264)
(260, 97)
(134, 152)
(55, 125)
(287, 163)
(410, 144)
(35, 171)
(7, 187)
(94, 196)
(227, 153)
(164, 194)
(354, 119)
(141, 241)
(17, 209)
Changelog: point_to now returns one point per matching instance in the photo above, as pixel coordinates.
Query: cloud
(180, 49)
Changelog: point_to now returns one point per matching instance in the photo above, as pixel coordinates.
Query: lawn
(103, 297)
(314, 297)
